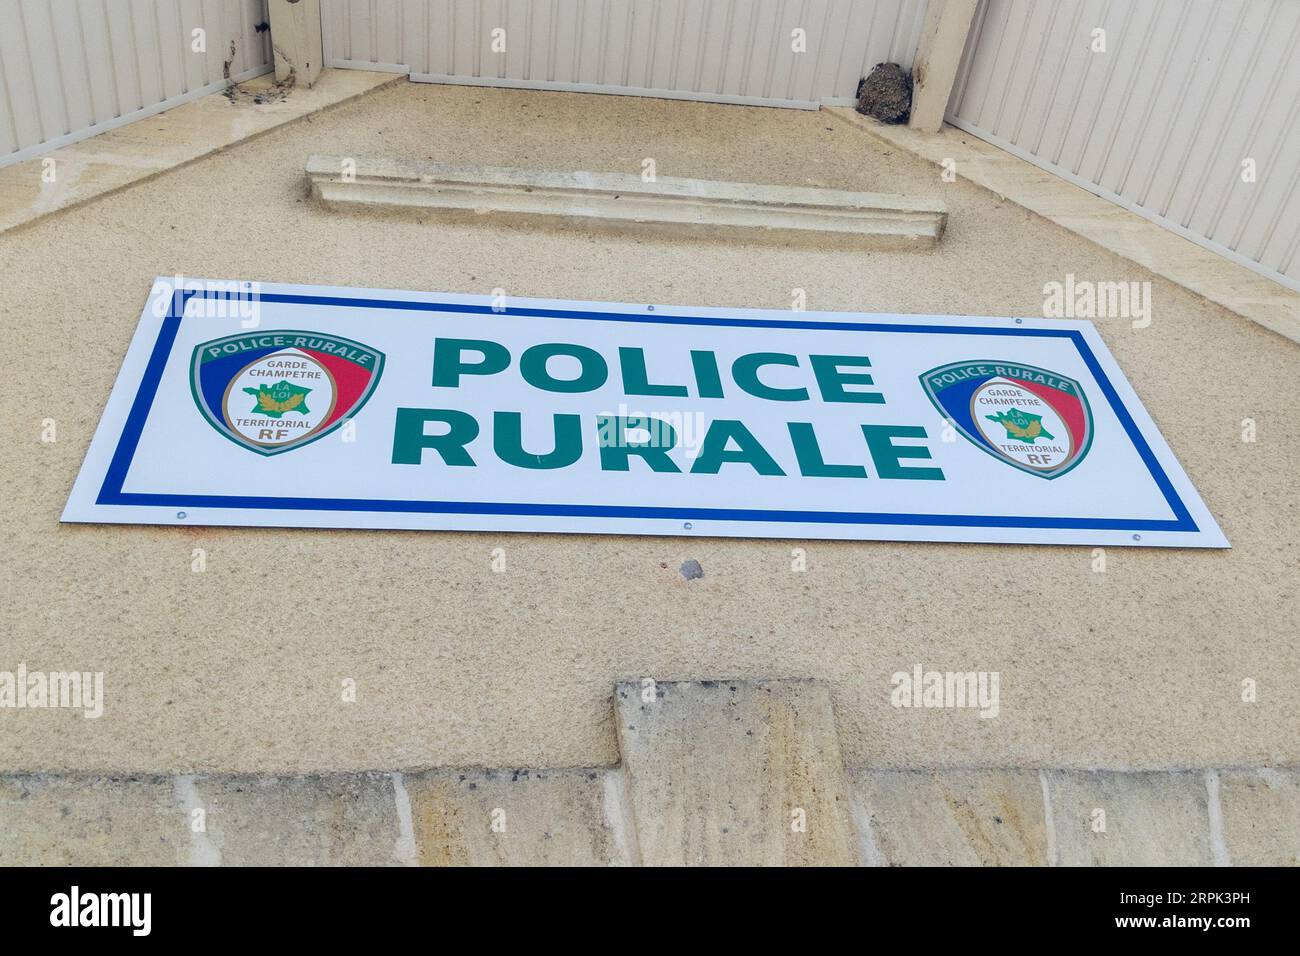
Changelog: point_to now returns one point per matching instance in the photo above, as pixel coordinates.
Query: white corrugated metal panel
(73, 68)
(729, 51)
(1162, 121)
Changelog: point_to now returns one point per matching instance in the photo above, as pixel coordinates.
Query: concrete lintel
(296, 41)
(786, 213)
(938, 54)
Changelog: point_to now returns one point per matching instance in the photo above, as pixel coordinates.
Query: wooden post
(943, 38)
(296, 40)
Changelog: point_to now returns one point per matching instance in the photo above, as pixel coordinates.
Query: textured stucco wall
(238, 668)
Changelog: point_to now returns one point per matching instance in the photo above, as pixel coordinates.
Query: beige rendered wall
(238, 668)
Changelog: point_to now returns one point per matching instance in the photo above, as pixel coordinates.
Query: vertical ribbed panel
(736, 51)
(1162, 121)
(73, 68)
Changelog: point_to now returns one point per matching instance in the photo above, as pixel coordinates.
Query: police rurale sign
(247, 404)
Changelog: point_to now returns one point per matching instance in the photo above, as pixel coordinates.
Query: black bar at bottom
(332, 906)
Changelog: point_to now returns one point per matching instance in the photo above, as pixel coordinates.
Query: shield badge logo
(1030, 418)
(271, 392)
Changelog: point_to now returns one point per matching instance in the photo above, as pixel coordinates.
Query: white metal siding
(731, 51)
(73, 68)
(1162, 121)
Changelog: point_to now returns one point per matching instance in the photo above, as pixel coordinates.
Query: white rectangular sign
(297, 406)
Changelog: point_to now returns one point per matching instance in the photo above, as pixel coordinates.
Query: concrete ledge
(1200, 270)
(737, 210)
(721, 799)
(137, 151)
(723, 772)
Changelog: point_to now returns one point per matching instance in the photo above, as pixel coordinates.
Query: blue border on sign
(111, 492)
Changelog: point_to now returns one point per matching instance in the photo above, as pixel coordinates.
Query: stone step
(666, 204)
